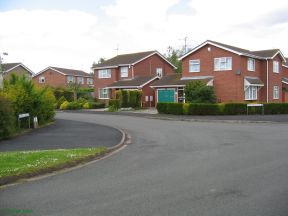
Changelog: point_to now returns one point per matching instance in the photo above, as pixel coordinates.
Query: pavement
(170, 168)
(64, 134)
(152, 113)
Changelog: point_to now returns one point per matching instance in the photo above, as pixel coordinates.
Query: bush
(93, 105)
(60, 101)
(7, 117)
(63, 92)
(162, 107)
(198, 92)
(203, 109)
(81, 101)
(174, 108)
(276, 108)
(87, 105)
(235, 108)
(114, 104)
(64, 105)
(125, 98)
(74, 105)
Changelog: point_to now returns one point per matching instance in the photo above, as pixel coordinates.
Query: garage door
(166, 95)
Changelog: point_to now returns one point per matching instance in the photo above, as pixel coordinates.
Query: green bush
(235, 108)
(135, 98)
(64, 105)
(198, 92)
(74, 105)
(125, 98)
(174, 108)
(87, 105)
(114, 105)
(7, 117)
(162, 107)
(81, 101)
(26, 98)
(66, 93)
(60, 101)
(276, 108)
(203, 109)
(93, 105)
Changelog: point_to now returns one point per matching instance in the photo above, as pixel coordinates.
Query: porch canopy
(135, 83)
(252, 81)
(176, 80)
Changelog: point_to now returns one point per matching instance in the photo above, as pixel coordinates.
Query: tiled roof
(176, 80)
(125, 59)
(262, 54)
(71, 72)
(285, 80)
(286, 63)
(6, 67)
(254, 80)
(136, 82)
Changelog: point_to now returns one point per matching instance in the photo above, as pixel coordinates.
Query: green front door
(166, 95)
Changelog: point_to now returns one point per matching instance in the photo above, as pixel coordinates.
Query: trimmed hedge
(114, 104)
(219, 109)
(131, 98)
(7, 117)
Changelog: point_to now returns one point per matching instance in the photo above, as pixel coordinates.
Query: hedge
(131, 98)
(114, 104)
(220, 109)
(7, 117)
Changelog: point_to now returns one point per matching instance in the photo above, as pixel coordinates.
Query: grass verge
(20, 164)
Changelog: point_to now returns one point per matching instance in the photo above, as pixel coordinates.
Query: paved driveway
(171, 168)
(64, 134)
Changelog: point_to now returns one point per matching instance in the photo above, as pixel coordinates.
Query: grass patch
(19, 163)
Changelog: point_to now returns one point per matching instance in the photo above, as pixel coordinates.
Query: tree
(101, 60)
(198, 92)
(173, 55)
(74, 87)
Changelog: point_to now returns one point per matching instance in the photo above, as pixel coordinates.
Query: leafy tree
(101, 60)
(198, 92)
(75, 88)
(173, 55)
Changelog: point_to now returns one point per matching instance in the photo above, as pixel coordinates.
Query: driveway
(64, 134)
(171, 168)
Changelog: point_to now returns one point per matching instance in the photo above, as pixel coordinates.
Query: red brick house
(131, 71)
(285, 81)
(61, 77)
(238, 75)
(16, 68)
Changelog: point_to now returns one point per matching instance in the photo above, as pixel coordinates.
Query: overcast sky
(74, 33)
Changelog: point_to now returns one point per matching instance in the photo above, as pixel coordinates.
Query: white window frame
(222, 64)
(80, 80)
(159, 72)
(104, 73)
(275, 92)
(194, 65)
(251, 64)
(90, 81)
(251, 93)
(70, 80)
(124, 72)
(41, 79)
(276, 67)
(103, 95)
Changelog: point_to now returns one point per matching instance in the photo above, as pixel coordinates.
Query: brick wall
(19, 71)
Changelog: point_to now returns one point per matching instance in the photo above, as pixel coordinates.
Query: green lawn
(25, 162)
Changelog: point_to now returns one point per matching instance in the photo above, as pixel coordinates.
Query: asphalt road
(171, 168)
(64, 134)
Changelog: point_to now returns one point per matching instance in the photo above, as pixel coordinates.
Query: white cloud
(74, 39)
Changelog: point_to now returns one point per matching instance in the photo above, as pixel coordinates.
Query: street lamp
(1, 72)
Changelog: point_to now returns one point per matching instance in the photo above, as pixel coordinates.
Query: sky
(75, 33)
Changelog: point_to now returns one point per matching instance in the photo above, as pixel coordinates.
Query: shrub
(74, 105)
(93, 105)
(162, 107)
(114, 104)
(87, 105)
(198, 92)
(125, 98)
(174, 108)
(186, 108)
(119, 96)
(66, 93)
(7, 117)
(235, 108)
(64, 105)
(81, 101)
(203, 109)
(276, 108)
(135, 97)
(60, 101)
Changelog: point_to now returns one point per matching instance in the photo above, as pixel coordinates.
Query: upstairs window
(42, 79)
(251, 64)
(104, 73)
(70, 79)
(194, 65)
(224, 63)
(275, 66)
(89, 81)
(124, 71)
(80, 80)
(159, 72)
